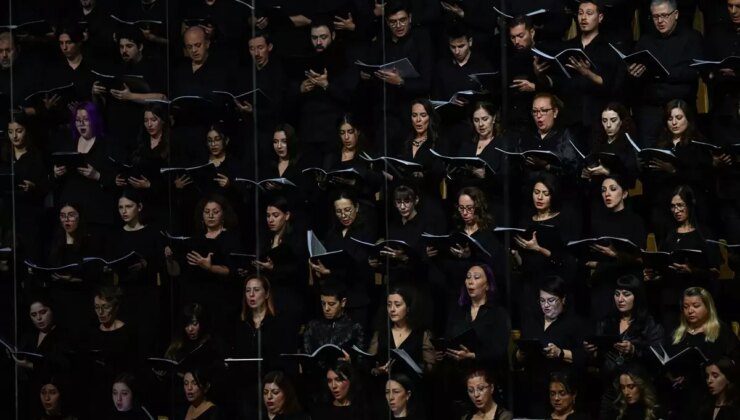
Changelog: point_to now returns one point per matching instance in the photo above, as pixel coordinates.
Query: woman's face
(406, 206)
(192, 329)
(104, 310)
(694, 310)
(50, 398)
(677, 122)
(397, 309)
(70, 219)
(541, 197)
(17, 135)
(561, 400)
(611, 123)
(630, 390)
(213, 215)
(255, 294)
(612, 194)
(349, 136)
(476, 283)
(466, 208)
(624, 300)
(483, 123)
(679, 209)
(338, 386)
(129, 210)
(123, 398)
(216, 143)
(346, 211)
(83, 124)
(280, 144)
(276, 219)
(716, 380)
(41, 315)
(419, 119)
(551, 305)
(193, 393)
(397, 396)
(480, 392)
(544, 114)
(152, 124)
(274, 398)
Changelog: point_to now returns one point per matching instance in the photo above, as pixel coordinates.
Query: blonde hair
(711, 327)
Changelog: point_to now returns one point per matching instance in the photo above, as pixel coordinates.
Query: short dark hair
(565, 378)
(553, 185)
(335, 289)
(74, 31)
(322, 21)
(458, 30)
(262, 34)
(133, 34)
(520, 20)
(554, 285)
(395, 6)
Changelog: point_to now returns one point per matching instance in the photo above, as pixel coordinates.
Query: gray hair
(671, 3)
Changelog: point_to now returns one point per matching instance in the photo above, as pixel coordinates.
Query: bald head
(196, 44)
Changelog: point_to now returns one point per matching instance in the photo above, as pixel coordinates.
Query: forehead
(677, 199)
(343, 202)
(476, 380)
(463, 40)
(395, 297)
(557, 386)
(272, 386)
(255, 42)
(677, 111)
(625, 380)
(279, 135)
(609, 182)
(518, 29)
(194, 35)
(587, 6)
(320, 30)
(65, 38)
(475, 270)
(481, 112)
(212, 205)
(540, 186)
(610, 113)
(399, 15)
(120, 386)
(542, 101)
(127, 42)
(465, 199)
(418, 108)
(329, 299)
(661, 7)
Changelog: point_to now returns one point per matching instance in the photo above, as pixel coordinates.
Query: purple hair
(96, 120)
(464, 298)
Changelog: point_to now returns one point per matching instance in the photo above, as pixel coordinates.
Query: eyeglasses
(404, 203)
(549, 301)
(663, 16)
(543, 111)
(68, 216)
(214, 141)
(82, 120)
(345, 212)
(678, 206)
(395, 23)
(478, 390)
(466, 209)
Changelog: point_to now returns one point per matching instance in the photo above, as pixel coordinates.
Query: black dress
(687, 399)
(566, 332)
(222, 295)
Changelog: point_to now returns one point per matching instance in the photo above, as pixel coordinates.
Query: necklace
(417, 143)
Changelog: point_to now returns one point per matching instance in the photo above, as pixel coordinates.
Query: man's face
(7, 53)
(130, 52)
(460, 48)
(196, 45)
(664, 18)
(733, 8)
(321, 38)
(260, 50)
(399, 22)
(87, 4)
(332, 307)
(521, 37)
(69, 48)
(589, 17)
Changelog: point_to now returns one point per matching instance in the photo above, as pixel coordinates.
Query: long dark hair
(665, 140)
(553, 186)
(291, 139)
(628, 125)
(494, 112)
(433, 130)
(348, 118)
(356, 394)
(640, 311)
(190, 312)
(79, 236)
(291, 405)
(143, 147)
